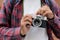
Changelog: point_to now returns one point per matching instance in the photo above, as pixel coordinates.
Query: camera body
(39, 21)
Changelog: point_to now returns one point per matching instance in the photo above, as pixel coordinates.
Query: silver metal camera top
(41, 17)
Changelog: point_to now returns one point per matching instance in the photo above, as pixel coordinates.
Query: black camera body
(39, 21)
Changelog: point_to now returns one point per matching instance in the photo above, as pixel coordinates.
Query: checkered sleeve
(10, 33)
(7, 33)
(55, 25)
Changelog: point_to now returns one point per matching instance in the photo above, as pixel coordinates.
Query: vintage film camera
(39, 21)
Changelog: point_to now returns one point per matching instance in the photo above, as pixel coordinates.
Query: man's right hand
(26, 22)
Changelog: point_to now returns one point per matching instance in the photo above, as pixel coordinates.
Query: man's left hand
(45, 11)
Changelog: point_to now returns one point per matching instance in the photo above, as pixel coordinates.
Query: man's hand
(26, 22)
(45, 11)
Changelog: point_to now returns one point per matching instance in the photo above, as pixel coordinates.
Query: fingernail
(28, 25)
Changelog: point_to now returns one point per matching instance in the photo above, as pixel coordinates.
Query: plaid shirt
(11, 14)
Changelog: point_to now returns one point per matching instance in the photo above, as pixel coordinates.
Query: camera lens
(37, 22)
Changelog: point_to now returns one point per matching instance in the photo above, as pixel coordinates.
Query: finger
(24, 29)
(45, 14)
(28, 19)
(27, 24)
(48, 14)
(27, 16)
(45, 7)
(41, 11)
(25, 20)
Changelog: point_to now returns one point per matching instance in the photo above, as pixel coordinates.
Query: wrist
(22, 34)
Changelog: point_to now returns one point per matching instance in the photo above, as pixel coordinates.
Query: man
(12, 29)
